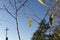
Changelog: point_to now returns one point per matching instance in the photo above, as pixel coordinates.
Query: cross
(6, 31)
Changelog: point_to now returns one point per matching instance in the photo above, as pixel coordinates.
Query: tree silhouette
(40, 33)
(43, 27)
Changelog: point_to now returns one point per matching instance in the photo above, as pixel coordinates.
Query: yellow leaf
(51, 19)
(30, 21)
(42, 2)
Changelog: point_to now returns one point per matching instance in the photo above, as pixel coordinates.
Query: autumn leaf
(51, 19)
(42, 2)
(30, 21)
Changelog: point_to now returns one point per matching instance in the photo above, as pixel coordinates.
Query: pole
(6, 33)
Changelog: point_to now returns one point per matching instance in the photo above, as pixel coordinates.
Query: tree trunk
(17, 26)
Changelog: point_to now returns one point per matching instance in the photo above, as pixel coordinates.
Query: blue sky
(26, 32)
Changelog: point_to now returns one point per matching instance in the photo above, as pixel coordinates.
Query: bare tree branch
(15, 4)
(9, 12)
(46, 14)
(11, 4)
(22, 5)
(16, 12)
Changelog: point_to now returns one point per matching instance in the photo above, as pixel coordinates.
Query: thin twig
(15, 5)
(11, 4)
(46, 14)
(9, 12)
(22, 5)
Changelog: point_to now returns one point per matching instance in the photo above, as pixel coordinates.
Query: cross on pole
(6, 33)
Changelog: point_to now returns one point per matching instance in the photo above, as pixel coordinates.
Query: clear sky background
(26, 32)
